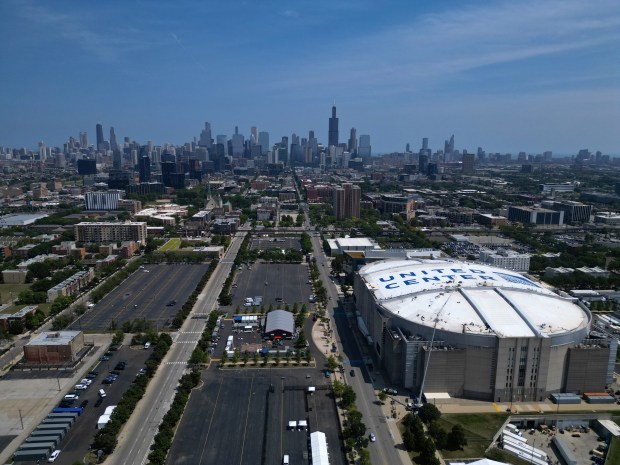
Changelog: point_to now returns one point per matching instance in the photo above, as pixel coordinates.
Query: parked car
(92, 375)
(81, 387)
(390, 391)
(99, 402)
(72, 397)
(54, 456)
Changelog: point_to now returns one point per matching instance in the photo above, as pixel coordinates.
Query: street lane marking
(496, 407)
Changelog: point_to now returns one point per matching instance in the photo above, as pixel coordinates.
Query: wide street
(384, 450)
(138, 433)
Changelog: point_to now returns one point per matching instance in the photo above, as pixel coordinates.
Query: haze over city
(507, 76)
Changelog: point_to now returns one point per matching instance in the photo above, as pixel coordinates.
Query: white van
(102, 393)
(285, 460)
(147, 345)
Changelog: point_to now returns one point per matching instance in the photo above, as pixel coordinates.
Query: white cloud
(438, 46)
(106, 47)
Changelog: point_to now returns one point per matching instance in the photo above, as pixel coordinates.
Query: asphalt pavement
(385, 449)
(137, 435)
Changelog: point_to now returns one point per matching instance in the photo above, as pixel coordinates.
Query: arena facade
(478, 332)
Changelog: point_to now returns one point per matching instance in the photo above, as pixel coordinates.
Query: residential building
(111, 232)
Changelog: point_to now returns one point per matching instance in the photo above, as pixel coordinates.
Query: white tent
(318, 446)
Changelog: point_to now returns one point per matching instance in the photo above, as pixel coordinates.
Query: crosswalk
(186, 342)
(175, 363)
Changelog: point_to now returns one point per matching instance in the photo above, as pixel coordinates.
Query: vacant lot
(172, 244)
(479, 430)
(9, 292)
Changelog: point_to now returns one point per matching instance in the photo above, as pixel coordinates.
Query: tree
(438, 434)
(338, 388)
(198, 356)
(408, 440)
(331, 363)
(427, 450)
(348, 397)
(301, 341)
(429, 413)
(456, 438)
(382, 396)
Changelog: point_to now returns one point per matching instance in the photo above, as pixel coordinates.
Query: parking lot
(242, 416)
(148, 294)
(277, 283)
(265, 243)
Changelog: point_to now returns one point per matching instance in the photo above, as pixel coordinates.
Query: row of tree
(426, 443)
(106, 438)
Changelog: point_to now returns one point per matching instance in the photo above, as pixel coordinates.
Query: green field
(9, 292)
(479, 430)
(172, 244)
(613, 456)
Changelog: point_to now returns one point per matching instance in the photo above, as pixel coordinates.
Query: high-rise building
(237, 143)
(468, 162)
(333, 129)
(144, 168)
(83, 139)
(254, 135)
(355, 201)
(364, 149)
(339, 203)
(205, 136)
(113, 143)
(263, 141)
(99, 132)
(425, 143)
(346, 201)
(352, 145)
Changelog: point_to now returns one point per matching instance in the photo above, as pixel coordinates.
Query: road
(383, 451)
(137, 435)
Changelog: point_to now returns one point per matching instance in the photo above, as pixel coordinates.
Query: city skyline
(504, 76)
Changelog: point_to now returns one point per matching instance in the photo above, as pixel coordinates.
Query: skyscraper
(425, 143)
(144, 168)
(352, 146)
(99, 132)
(333, 129)
(364, 149)
(237, 143)
(263, 141)
(205, 136)
(113, 143)
(83, 139)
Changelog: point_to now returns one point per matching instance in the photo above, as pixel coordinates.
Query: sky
(507, 76)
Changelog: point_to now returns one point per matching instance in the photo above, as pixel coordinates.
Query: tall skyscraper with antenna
(333, 129)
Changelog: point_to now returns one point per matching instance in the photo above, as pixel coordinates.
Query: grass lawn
(479, 430)
(9, 292)
(613, 456)
(172, 244)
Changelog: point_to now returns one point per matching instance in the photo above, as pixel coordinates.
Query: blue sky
(507, 76)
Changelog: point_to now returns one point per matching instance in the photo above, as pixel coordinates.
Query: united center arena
(478, 332)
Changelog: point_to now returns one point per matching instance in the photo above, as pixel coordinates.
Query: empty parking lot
(148, 294)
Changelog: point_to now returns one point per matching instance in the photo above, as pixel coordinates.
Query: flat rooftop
(54, 338)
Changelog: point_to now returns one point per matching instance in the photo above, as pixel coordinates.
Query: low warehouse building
(280, 325)
(54, 348)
